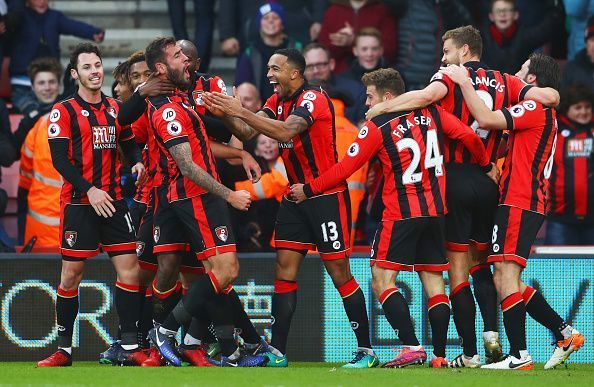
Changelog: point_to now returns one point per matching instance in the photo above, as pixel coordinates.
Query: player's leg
(482, 279)
(430, 264)
(439, 314)
(509, 258)
(78, 225)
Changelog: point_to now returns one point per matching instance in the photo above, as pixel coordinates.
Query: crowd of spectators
(341, 41)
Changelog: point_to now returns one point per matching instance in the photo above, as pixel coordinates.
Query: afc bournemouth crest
(139, 248)
(111, 111)
(222, 233)
(156, 233)
(70, 237)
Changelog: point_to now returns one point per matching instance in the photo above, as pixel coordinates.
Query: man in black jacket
(581, 68)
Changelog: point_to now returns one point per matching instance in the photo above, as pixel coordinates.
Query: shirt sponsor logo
(286, 145)
(363, 132)
(54, 115)
(529, 105)
(104, 137)
(580, 147)
(168, 114)
(310, 96)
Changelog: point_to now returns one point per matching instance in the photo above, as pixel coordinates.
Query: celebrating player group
(447, 205)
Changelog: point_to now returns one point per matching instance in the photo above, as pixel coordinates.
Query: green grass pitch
(298, 374)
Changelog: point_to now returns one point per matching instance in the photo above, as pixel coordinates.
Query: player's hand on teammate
(155, 86)
(220, 102)
(141, 175)
(251, 166)
(101, 202)
(240, 200)
(457, 73)
(494, 173)
(376, 110)
(296, 193)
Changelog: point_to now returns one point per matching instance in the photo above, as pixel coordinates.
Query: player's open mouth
(275, 86)
(95, 79)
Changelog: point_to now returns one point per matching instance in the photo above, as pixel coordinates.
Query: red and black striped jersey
(201, 83)
(572, 179)
(496, 89)
(145, 138)
(531, 145)
(93, 133)
(410, 148)
(174, 122)
(312, 151)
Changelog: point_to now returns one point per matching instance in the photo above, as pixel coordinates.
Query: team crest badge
(222, 233)
(111, 111)
(197, 95)
(70, 237)
(156, 233)
(139, 248)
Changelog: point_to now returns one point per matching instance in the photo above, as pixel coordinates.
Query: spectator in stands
(249, 96)
(238, 28)
(581, 68)
(344, 18)
(368, 53)
(506, 45)
(578, 12)
(571, 217)
(320, 65)
(38, 36)
(39, 183)
(203, 26)
(251, 65)
(420, 25)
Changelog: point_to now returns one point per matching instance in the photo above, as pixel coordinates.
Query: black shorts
(202, 220)
(144, 249)
(137, 211)
(472, 200)
(410, 244)
(84, 232)
(322, 222)
(513, 234)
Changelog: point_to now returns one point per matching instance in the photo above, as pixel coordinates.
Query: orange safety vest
(272, 184)
(43, 214)
(346, 133)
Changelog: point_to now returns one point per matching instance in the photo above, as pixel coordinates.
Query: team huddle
(447, 207)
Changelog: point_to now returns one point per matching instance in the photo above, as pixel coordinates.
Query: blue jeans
(559, 233)
(204, 26)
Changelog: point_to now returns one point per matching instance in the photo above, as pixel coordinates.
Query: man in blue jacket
(38, 35)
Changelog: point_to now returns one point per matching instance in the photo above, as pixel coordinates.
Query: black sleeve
(59, 151)
(131, 151)
(132, 109)
(7, 150)
(216, 129)
(18, 137)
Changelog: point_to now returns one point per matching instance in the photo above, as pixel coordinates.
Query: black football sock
(284, 302)
(354, 305)
(514, 320)
(398, 315)
(241, 320)
(165, 301)
(464, 317)
(202, 290)
(486, 295)
(128, 303)
(222, 319)
(66, 311)
(146, 318)
(439, 318)
(540, 310)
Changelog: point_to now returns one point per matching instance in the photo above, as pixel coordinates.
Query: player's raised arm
(411, 100)
(486, 118)
(368, 142)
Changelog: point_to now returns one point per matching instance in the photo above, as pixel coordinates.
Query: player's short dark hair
(546, 69)
(294, 57)
(45, 64)
(83, 48)
(155, 51)
(369, 31)
(316, 46)
(466, 35)
(120, 72)
(512, 2)
(136, 57)
(385, 80)
(575, 93)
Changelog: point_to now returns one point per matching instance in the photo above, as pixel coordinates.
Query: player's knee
(70, 279)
